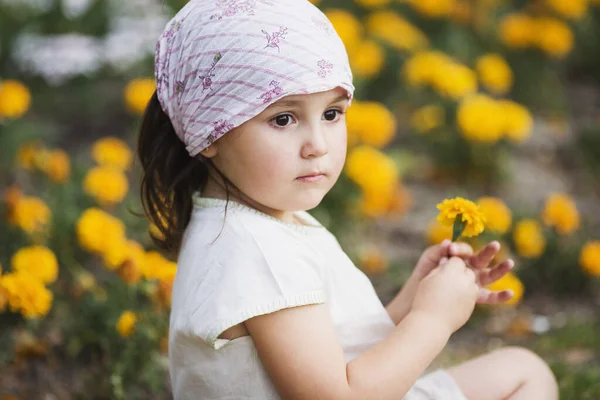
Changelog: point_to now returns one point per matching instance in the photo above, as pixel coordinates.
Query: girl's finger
(483, 296)
(460, 249)
(485, 255)
(490, 275)
(486, 296)
(435, 253)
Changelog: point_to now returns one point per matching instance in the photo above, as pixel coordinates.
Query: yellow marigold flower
(26, 154)
(372, 122)
(115, 252)
(494, 73)
(164, 341)
(462, 12)
(510, 281)
(423, 67)
(138, 93)
(480, 118)
(96, 229)
(376, 202)
(381, 201)
(26, 294)
(129, 272)
(84, 282)
(39, 261)
(561, 212)
(529, 238)
(126, 323)
(497, 214)
(437, 233)
(10, 197)
(402, 201)
(589, 258)
(455, 80)
(372, 3)
(153, 229)
(428, 118)
(393, 29)
(368, 59)
(348, 28)
(55, 164)
(554, 37)
(373, 262)
(163, 293)
(372, 170)
(31, 214)
(155, 232)
(471, 215)
(112, 152)
(15, 99)
(433, 8)
(156, 266)
(517, 30)
(438, 70)
(131, 268)
(107, 185)
(518, 122)
(574, 9)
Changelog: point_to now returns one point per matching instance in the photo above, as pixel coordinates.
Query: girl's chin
(308, 200)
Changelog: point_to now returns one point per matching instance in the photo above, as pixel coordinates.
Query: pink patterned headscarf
(220, 63)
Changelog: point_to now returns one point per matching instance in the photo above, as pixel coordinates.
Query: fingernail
(453, 248)
(443, 260)
(445, 242)
(511, 264)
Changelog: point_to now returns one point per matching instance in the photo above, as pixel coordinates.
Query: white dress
(252, 264)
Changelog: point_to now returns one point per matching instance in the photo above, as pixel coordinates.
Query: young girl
(245, 133)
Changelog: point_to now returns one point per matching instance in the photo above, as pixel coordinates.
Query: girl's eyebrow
(294, 103)
(340, 98)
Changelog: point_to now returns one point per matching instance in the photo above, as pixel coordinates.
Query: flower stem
(458, 227)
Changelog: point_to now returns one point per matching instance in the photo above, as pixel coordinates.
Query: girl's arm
(300, 351)
(299, 348)
(400, 305)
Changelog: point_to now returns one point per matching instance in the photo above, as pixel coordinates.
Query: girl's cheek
(278, 163)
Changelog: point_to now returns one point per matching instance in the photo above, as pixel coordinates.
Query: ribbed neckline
(211, 202)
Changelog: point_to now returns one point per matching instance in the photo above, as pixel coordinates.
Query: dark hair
(170, 176)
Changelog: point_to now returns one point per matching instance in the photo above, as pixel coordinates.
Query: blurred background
(496, 101)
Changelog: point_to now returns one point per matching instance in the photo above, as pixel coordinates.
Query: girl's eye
(283, 120)
(331, 115)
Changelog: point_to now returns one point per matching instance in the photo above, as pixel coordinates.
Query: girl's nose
(315, 144)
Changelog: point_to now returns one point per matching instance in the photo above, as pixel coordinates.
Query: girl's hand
(434, 255)
(399, 307)
(448, 294)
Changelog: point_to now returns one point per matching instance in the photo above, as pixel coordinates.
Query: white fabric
(254, 264)
(221, 62)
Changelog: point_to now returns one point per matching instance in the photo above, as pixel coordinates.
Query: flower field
(497, 101)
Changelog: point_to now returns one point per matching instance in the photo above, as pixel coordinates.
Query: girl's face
(289, 156)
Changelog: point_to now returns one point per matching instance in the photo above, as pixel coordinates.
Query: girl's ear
(210, 151)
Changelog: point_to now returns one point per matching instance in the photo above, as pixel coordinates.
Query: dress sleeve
(254, 272)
